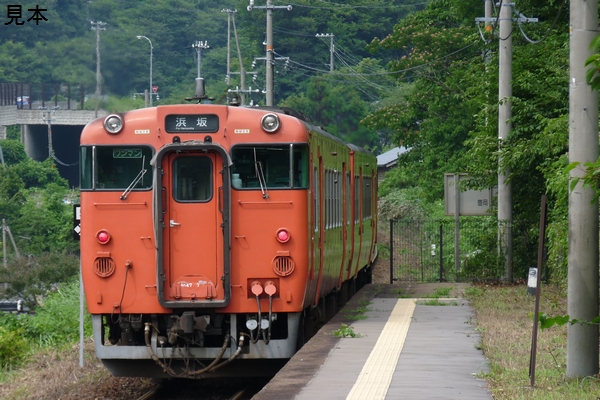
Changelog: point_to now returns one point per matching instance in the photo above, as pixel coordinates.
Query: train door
(194, 203)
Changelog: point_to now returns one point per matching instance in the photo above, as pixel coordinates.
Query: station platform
(403, 348)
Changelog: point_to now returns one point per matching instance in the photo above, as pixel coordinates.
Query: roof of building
(389, 158)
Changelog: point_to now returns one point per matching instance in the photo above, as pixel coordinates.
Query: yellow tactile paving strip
(376, 375)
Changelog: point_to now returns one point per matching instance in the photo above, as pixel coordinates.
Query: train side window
(192, 179)
(300, 168)
(317, 202)
(356, 200)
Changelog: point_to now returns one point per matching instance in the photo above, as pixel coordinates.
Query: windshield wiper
(135, 181)
(261, 176)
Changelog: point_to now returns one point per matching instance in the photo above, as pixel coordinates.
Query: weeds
(503, 317)
(346, 331)
(359, 312)
(438, 302)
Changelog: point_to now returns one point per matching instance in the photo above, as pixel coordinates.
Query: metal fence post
(391, 251)
(441, 250)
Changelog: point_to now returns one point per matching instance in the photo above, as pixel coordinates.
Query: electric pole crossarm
(331, 47)
(199, 46)
(521, 19)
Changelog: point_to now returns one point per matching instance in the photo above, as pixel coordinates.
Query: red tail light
(103, 236)
(283, 236)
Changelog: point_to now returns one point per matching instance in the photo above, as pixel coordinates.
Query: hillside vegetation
(422, 75)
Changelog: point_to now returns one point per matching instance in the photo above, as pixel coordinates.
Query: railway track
(214, 389)
(149, 395)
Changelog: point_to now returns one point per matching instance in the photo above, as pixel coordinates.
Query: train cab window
(115, 167)
(277, 166)
(192, 179)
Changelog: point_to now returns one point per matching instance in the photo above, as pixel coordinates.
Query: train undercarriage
(201, 343)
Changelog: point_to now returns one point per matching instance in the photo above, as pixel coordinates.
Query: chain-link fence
(432, 250)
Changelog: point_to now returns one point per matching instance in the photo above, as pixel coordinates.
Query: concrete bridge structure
(58, 129)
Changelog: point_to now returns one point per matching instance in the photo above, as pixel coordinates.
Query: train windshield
(276, 166)
(115, 168)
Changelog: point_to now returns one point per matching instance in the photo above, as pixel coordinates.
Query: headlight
(270, 123)
(113, 124)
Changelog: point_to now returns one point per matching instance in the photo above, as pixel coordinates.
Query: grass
(438, 302)
(346, 331)
(504, 319)
(359, 312)
(438, 294)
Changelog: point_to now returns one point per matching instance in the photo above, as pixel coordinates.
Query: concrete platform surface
(401, 349)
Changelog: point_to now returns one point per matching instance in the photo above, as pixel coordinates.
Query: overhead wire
(348, 6)
(547, 31)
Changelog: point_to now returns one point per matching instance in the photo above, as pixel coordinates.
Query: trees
(441, 57)
(450, 118)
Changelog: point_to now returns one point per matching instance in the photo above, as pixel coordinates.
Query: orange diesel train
(211, 233)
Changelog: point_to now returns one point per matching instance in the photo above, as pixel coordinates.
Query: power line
(417, 67)
(334, 6)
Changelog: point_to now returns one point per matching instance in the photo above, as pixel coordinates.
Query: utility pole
(48, 118)
(582, 289)
(505, 205)
(4, 242)
(331, 48)
(148, 96)
(504, 115)
(98, 26)
(269, 49)
(199, 46)
(229, 13)
(241, 90)
(5, 229)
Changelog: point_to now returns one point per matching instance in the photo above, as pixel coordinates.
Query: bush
(56, 322)
(31, 277)
(13, 347)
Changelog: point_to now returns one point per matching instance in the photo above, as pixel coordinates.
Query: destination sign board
(192, 123)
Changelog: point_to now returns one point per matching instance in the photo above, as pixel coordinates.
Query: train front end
(194, 240)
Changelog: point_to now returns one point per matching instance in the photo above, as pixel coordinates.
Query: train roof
(315, 128)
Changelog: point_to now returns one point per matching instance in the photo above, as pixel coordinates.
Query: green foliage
(13, 151)
(407, 204)
(13, 348)
(346, 331)
(449, 118)
(116, 104)
(45, 222)
(32, 277)
(590, 177)
(560, 320)
(359, 312)
(401, 204)
(438, 302)
(56, 322)
(593, 74)
(396, 178)
(13, 132)
(337, 108)
(39, 174)
(28, 53)
(436, 117)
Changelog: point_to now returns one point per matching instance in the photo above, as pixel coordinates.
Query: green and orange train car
(216, 236)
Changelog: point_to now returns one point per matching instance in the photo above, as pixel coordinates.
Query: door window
(192, 179)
